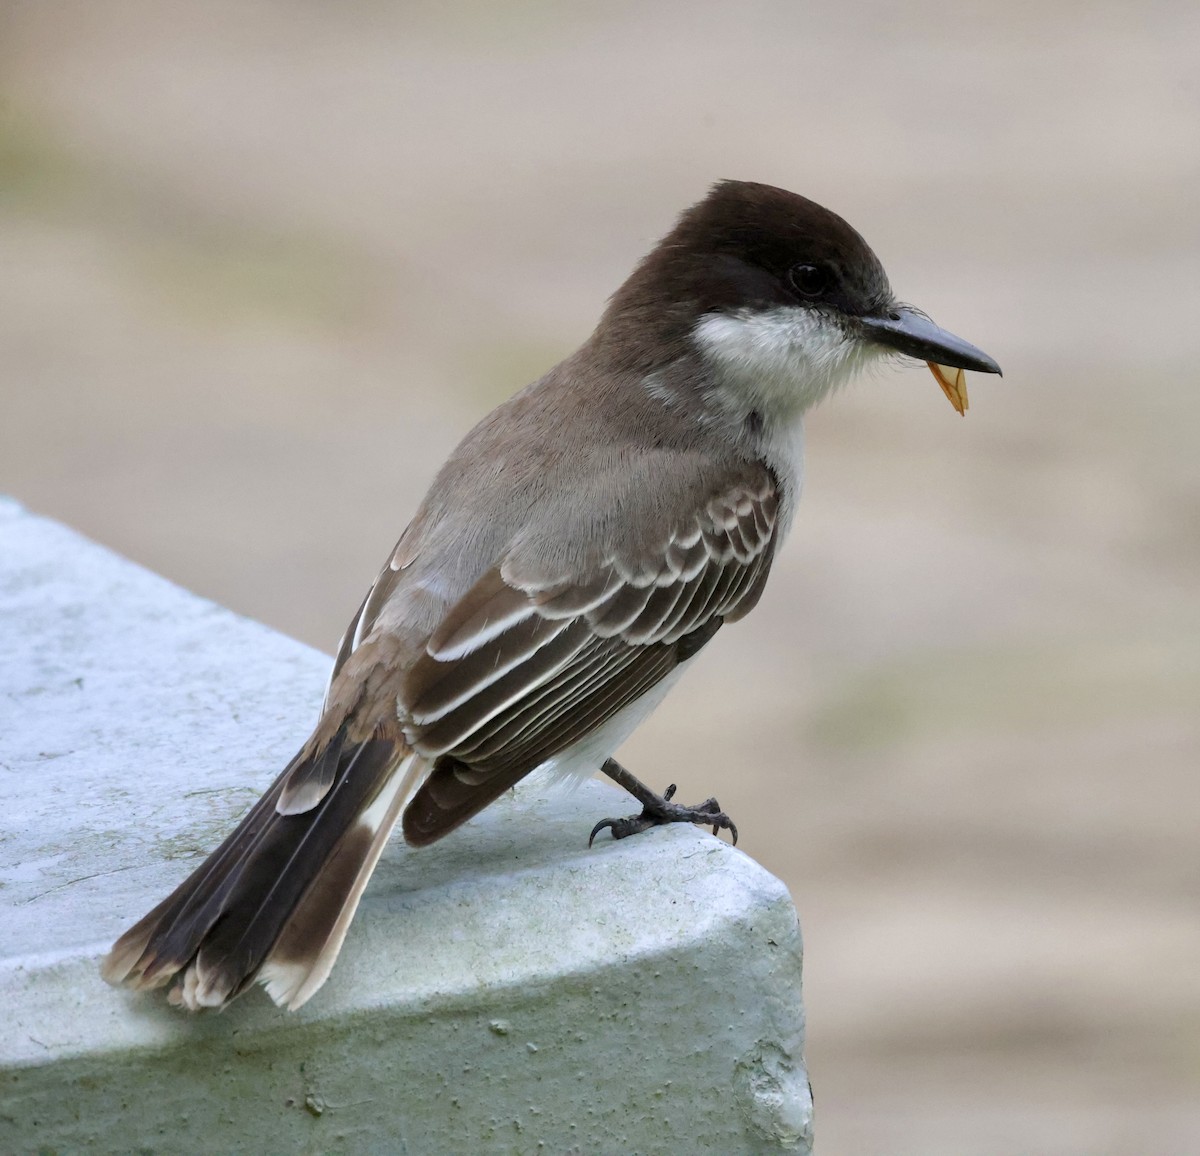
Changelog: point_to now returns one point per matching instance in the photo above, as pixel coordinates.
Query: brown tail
(273, 902)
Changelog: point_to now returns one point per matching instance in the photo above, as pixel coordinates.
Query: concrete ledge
(503, 991)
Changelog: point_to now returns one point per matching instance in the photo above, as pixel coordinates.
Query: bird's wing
(526, 663)
(376, 598)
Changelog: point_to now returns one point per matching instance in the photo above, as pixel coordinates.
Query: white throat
(776, 364)
(781, 361)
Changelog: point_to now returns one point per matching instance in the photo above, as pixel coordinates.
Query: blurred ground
(263, 264)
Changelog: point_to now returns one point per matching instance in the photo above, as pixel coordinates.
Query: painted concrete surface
(506, 990)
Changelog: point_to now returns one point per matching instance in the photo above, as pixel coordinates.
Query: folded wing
(522, 668)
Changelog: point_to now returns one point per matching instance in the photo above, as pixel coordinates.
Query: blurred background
(265, 262)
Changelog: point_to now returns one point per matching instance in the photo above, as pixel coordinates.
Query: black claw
(660, 811)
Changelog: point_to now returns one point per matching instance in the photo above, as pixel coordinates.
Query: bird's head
(781, 296)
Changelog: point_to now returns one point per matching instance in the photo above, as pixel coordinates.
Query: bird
(572, 558)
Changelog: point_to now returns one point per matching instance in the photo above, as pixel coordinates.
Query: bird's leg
(658, 809)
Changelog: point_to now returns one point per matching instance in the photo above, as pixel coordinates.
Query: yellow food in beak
(954, 384)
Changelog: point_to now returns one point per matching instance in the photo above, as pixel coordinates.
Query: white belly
(579, 762)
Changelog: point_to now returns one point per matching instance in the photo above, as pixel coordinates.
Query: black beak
(908, 331)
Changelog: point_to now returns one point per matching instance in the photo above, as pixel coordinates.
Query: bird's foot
(658, 810)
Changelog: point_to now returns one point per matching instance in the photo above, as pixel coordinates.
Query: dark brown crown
(736, 249)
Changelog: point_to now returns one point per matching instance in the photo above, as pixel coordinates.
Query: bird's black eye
(809, 280)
